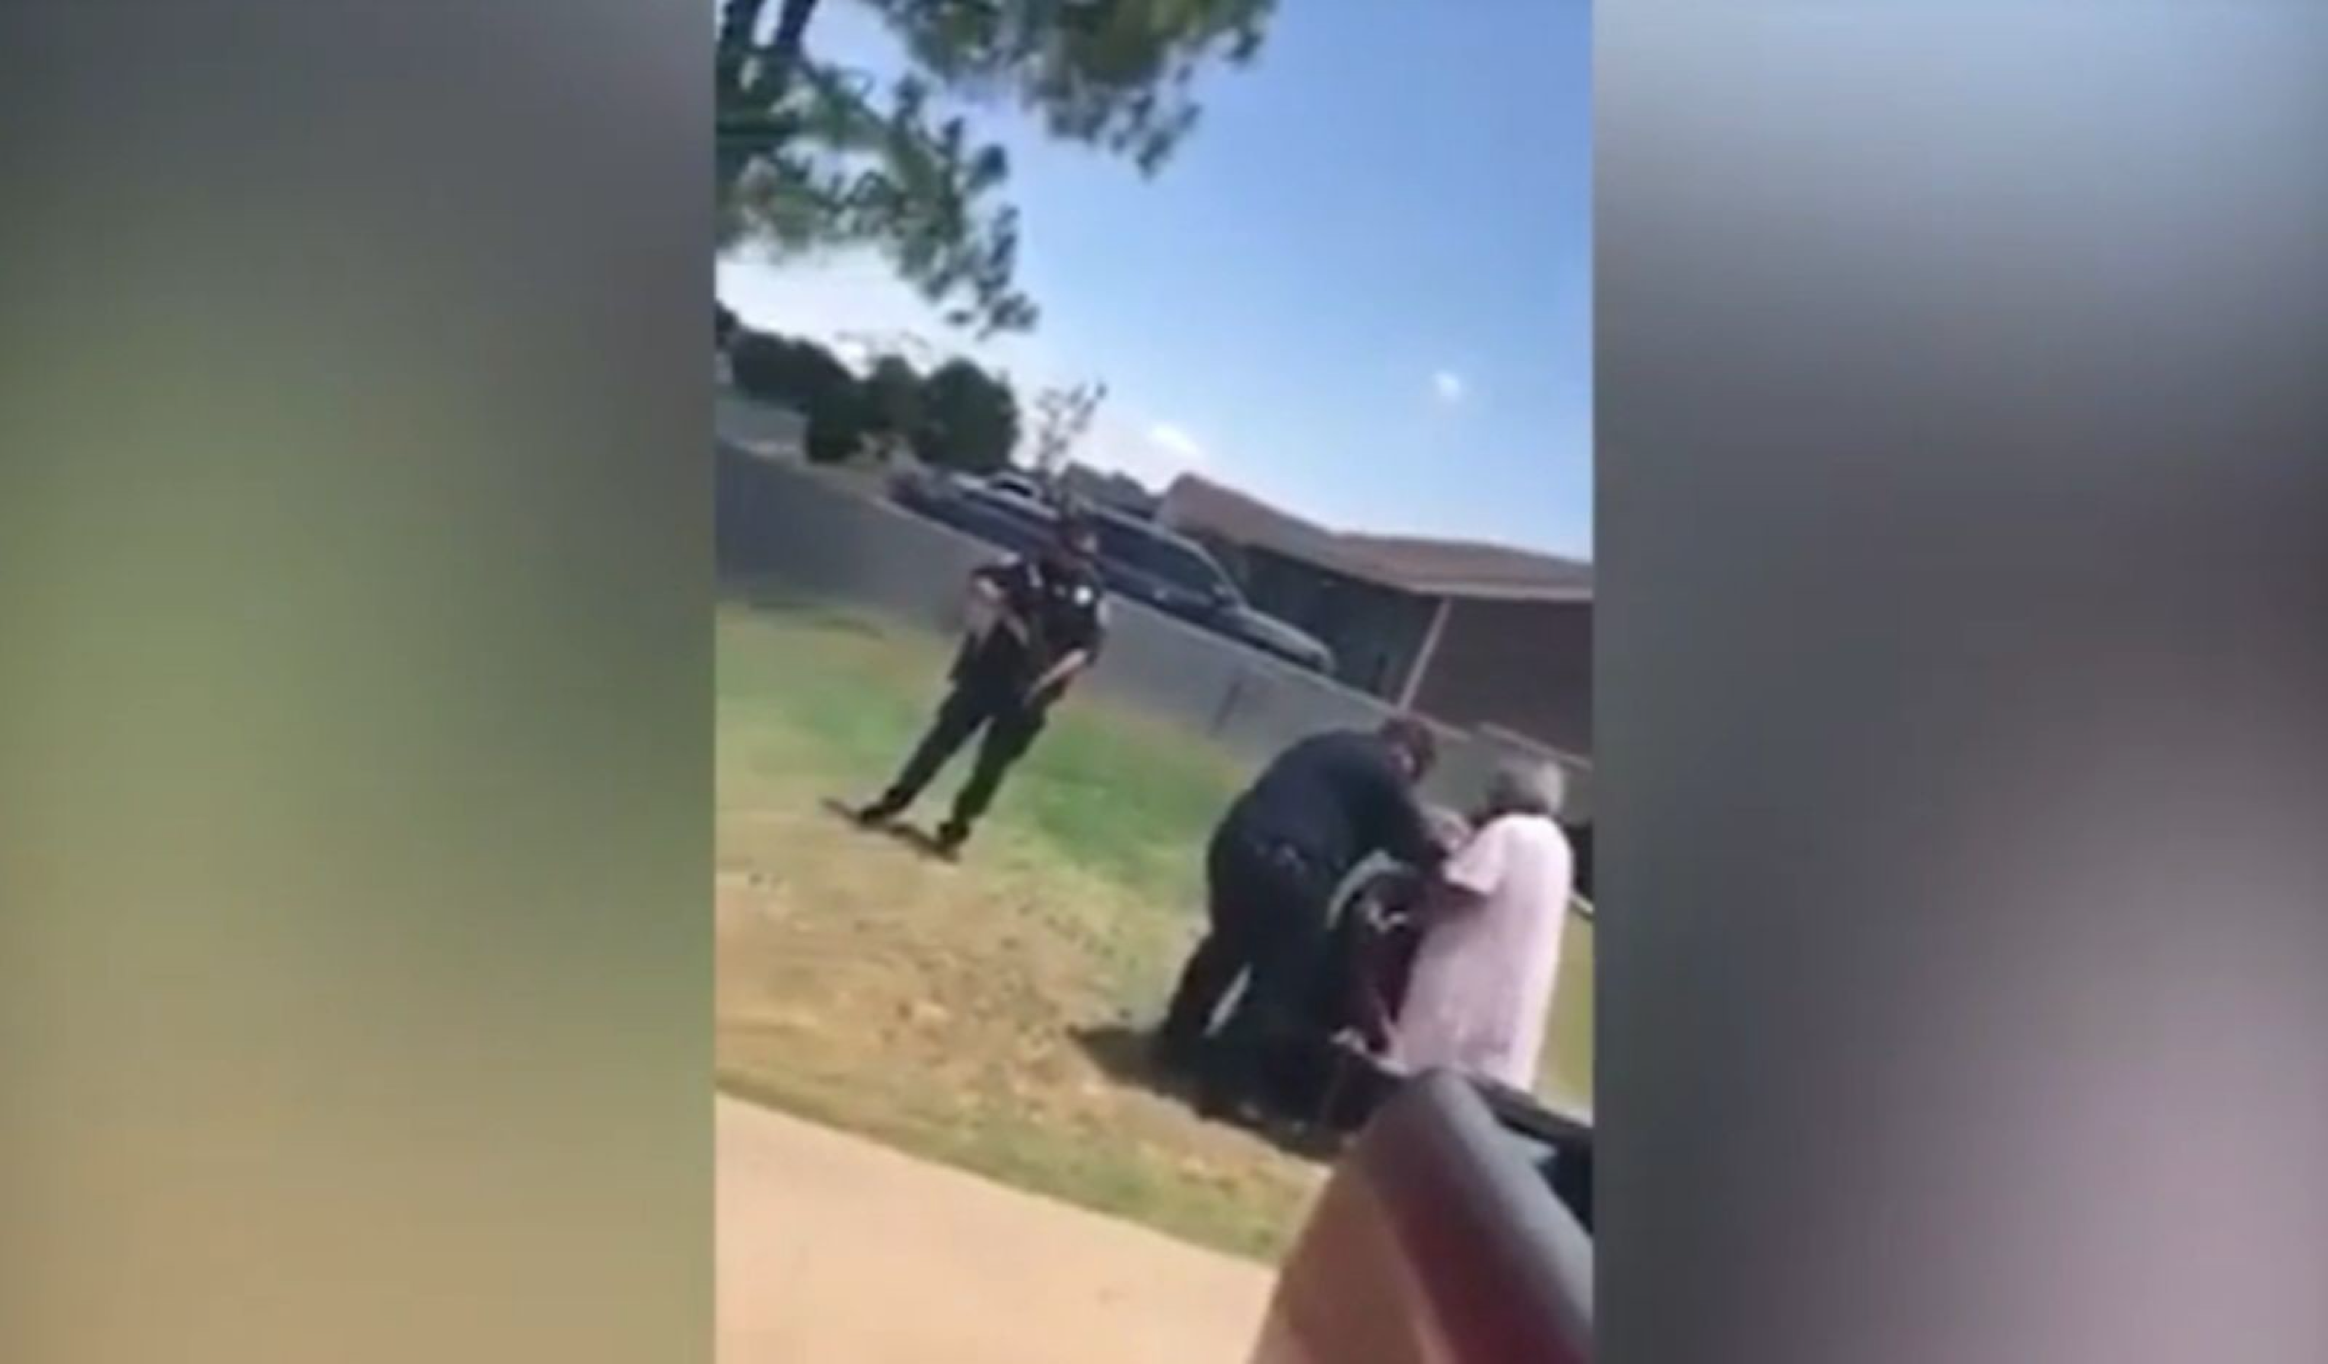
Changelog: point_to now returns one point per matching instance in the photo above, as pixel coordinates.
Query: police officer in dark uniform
(1276, 859)
(1037, 623)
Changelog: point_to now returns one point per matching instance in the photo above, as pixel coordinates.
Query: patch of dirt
(965, 1013)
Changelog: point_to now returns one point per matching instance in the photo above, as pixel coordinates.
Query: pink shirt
(1481, 992)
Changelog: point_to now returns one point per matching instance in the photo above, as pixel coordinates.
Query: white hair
(1529, 787)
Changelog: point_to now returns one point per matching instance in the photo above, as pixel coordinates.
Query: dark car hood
(1155, 591)
(1279, 635)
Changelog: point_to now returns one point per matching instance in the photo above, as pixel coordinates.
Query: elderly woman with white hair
(1480, 991)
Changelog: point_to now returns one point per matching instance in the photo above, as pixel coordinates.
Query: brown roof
(1196, 503)
(1426, 567)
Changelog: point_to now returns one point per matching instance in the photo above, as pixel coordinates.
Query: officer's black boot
(875, 813)
(957, 719)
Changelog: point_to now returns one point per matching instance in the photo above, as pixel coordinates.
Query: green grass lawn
(984, 1014)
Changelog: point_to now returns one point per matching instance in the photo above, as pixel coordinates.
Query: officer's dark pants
(1268, 907)
(1009, 726)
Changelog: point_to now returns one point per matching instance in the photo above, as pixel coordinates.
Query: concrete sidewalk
(833, 1250)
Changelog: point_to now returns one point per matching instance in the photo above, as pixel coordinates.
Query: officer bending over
(1276, 859)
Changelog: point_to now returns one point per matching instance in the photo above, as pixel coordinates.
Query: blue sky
(1362, 290)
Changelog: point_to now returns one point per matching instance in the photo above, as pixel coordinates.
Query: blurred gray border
(1962, 441)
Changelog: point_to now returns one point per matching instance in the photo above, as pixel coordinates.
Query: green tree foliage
(812, 156)
(958, 416)
(810, 380)
(1119, 75)
(969, 419)
(893, 395)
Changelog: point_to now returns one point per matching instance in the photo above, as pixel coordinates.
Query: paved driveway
(833, 1250)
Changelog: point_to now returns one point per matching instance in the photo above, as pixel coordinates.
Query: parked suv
(1154, 566)
(1015, 523)
(1023, 485)
(1138, 560)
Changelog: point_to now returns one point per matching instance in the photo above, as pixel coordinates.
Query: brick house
(1469, 634)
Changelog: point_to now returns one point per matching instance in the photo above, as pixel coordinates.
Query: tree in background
(893, 401)
(969, 419)
(958, 416)
(893, 391)
(812, 156)
(1062, 416)
(810, 380)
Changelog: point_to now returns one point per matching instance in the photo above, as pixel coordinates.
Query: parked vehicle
(1456, 1230)
(1138, 561)
(1013, 524)
(1173, 574)
(1022, 485)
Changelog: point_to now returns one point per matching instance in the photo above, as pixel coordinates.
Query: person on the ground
(1375, 938)
(1036, 624)
(1274, 862)
(1480, 990)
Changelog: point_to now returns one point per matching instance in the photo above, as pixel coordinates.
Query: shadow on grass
(1126, 1055)
(912, 836)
